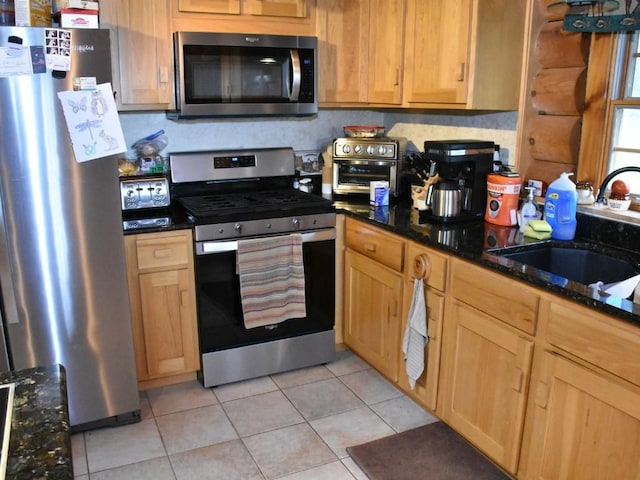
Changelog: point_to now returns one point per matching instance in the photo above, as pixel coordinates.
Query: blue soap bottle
(560, 207)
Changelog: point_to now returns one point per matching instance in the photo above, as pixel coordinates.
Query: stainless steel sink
(582, 263)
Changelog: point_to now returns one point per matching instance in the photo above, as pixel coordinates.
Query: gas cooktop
(253, 204)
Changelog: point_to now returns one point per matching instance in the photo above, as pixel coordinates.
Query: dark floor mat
(430, 452)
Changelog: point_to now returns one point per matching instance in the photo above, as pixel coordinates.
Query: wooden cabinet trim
(602, 341)
(497, 295)
(385, 248)
(164, 251)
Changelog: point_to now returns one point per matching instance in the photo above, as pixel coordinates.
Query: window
(624, 115)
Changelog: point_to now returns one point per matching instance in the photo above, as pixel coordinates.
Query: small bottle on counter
(529, 210)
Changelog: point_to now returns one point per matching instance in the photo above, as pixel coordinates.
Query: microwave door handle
(296, 76)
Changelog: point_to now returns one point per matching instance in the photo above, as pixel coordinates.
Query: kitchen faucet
(608, 178)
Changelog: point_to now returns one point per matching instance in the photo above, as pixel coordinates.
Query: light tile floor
(290, 426)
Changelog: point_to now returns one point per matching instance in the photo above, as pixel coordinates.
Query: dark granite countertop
(40, 440)
(470, 240)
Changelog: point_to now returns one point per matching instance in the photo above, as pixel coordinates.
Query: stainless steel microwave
(238, 74)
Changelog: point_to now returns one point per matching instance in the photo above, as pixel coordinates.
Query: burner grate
(273, 201)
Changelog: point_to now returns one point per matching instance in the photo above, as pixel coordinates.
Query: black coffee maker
(467, 164)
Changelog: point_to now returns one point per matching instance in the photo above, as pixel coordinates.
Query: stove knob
(296, 223)
(237, 228)
(382, 150)
(371, 149)
(346, 149)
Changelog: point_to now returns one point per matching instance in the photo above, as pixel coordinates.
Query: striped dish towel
(271, 274)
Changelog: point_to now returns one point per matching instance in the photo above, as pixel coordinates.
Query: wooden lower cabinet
(485, 382)
(584, 424)
(373, 305)
(163, 304)
(547, 388)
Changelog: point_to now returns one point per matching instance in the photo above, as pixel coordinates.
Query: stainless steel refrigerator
(62, 265)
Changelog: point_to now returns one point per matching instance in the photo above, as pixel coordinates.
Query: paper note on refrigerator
(93, 122)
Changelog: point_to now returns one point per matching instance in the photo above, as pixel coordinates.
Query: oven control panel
(147, 192)
(366, 148)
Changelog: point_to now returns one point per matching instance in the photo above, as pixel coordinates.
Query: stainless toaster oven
(359, 161)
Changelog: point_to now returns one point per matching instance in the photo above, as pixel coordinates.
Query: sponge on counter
(530, 232)
(539, 226)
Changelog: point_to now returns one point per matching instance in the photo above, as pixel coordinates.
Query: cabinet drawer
(437, 265)
(385, 248)
(497, 295)
(603, 341)
(167, 250)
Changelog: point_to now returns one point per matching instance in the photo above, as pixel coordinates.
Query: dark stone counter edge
(40, 439)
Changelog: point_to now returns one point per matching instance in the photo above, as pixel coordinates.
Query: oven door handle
(206, 248)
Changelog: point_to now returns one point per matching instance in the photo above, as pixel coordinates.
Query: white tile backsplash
(318, 131)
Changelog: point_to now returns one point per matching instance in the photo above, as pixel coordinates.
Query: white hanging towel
(415, 335)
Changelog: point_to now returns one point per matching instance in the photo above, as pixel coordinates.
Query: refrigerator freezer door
(62, 231)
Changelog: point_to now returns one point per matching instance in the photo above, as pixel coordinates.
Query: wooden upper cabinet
(277, 17)
(141, 52)
(277, 8)
(210, 6)
(360, 51)
(386, 41)
(437, 46)
(343, 29)
(273, 8)
(464, 53)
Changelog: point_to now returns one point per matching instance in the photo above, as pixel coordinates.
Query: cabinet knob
(370, 247)
(421, 267)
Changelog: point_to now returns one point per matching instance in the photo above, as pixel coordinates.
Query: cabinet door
(437, 51)
(342, 29)
(277, 8)
(143, 53)
(209, 6)
(168, 310)
(487, 374)
(585, 425)
(386, 46)
(373, 303)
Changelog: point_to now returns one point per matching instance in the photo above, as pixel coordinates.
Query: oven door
(220, 318)
(354, 176)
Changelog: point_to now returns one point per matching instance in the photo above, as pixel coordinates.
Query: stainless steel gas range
(271, 309)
